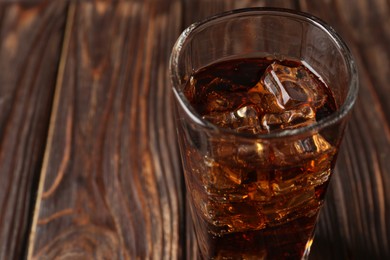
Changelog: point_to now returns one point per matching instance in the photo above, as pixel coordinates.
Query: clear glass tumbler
(257, 196)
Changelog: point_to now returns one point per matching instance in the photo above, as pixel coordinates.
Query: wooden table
(89, 166)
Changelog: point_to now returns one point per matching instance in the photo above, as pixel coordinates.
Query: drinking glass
(257, 196)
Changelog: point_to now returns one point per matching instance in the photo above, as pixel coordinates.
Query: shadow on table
(324, 249)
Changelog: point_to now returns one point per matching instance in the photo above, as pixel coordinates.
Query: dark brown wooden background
(89, 167)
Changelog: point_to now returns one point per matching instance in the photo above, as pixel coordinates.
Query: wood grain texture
(30, 39)
(354, 222)
(111, 184)
(110, 177)
(197, 10)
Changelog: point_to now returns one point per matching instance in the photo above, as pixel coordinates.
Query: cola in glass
(259, 198)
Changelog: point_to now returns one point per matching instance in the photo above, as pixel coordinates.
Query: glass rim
(332, 119)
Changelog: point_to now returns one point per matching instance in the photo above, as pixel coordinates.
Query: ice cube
(288, 97)
(264, 102)
(216, 102)
(314, 147)
(297, 117)
(290, 206)
(261, 191)
(235, 217)
(219, 95)
(220, 178)
(244, 119)
(314, 144)
(233, 164)
(292, 86)
(248, 120)
(250, 155)
(245, 216)
(223, 178)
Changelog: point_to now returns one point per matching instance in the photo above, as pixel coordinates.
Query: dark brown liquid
(258, 200)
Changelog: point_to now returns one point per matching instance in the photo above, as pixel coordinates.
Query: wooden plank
(354, 223)
(30, 40)
(111, 187)
(366, 27)
(198, 10)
